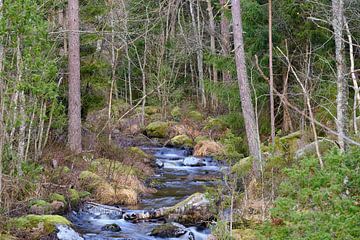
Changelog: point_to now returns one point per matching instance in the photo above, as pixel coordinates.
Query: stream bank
(180, 179)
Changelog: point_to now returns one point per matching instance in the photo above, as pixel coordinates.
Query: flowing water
(178, 176)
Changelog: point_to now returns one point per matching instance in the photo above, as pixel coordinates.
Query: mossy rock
(168, 230)
(157, 129)
(176, 113)
(57, 197)
(29, 222)
(74, 197)
(310, 149)
(195, 115)
(215, 124)
(150, 110)
(40, 207)
(140, 152)
(119, 107)
(182, 141)
(201, 138)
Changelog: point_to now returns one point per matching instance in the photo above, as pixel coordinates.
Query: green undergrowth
(315, 203)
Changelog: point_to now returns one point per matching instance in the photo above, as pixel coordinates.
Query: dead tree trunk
(74, 130)
(251, 127)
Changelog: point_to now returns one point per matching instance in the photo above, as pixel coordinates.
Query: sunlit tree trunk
(251, 127)
(74, 130)
(342, 88)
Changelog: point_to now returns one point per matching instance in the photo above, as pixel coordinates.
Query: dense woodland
(268, 87)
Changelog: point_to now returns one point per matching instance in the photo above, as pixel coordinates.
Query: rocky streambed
(177, 210)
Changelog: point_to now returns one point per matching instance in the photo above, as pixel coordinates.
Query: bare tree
(199, 50)
(225, 37)
(251, 127)
(74, 134)
(342, 89)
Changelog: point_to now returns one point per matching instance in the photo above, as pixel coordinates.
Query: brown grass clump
(208, 148)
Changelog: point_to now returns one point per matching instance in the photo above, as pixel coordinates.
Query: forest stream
(179, 175)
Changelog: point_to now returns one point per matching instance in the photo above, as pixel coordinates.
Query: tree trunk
(225, 37)
(251, 127)
(213, 49)
(74, 131)
(342, 89)
(199, 53)
(271, 77)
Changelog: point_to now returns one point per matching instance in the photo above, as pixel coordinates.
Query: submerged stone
(111, 228)
(168, 230)
(194, 162)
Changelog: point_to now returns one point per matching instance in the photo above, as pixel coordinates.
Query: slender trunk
(225, 37)
(199, 53)
(213, 49)
(22, 128)
(74, 131)
(353, 76)
(29, 132)
(143, 66)
(2, 106)
(251, 127)
(271, 77)
(112, 24)
(342, 90)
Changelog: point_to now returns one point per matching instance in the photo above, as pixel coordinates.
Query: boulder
(67, 233)
(182, 141)
(168, 230)
(111, 228)
(310, 149)
(57, 206)
(40, 207)
(194, 162)
(42, 225)
(57, 197)
(157, 129)
(208, 148)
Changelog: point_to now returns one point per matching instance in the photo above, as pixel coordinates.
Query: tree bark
(251, 127)
(271, 77)
(199, 53)
(225, 38)
(342, 89)
(74, 130)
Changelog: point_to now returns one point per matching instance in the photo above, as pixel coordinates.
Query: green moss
(150, 110)
(40, 203)
(201, 138)
(215, 124)
(176, 113)
(74, 197)
(182, 140)
(84, 194)
(32, 221)
(195, 115)
(243, 167)
(139, 152)
(157, 129)
(57, 197)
